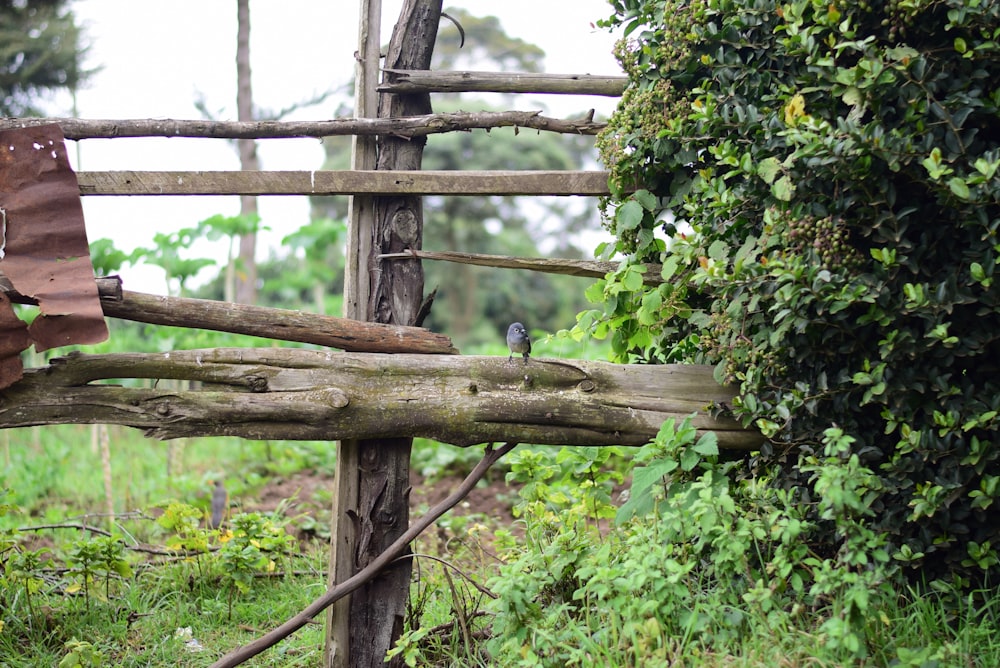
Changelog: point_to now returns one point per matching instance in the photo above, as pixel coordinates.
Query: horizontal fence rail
(345, 182)
(408, 126)
(435, 81)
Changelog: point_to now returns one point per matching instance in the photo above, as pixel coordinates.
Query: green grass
(145, 621)
(57, 472)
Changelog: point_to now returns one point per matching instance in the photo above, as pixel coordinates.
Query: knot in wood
(586, 385)
(163, 409)
(405, 228)
(256, 383)
(334, 397)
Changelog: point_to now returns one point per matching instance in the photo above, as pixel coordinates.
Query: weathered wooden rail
(295, 394)
(345, 182)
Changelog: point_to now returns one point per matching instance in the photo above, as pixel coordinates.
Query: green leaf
(852, 96)
(632, 280)
(783, 189)
(647, 199)
(977, 271)
(689, 459)
(707, 445)
(669, 267)
(768, 169)
(595, 293)
(959, 187)
(629, 215)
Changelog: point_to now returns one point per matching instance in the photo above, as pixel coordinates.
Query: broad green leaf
(959, 187)
(783, 189)
(718, 250)
(768, 169)
(629, 215)
(669, 267)
(646, 199)
(632, 280)
(707, 445)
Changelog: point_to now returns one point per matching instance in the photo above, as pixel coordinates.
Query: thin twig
(78, 527)
(453, 567)
(252, 649)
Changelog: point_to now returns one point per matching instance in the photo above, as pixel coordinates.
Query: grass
(165, 616)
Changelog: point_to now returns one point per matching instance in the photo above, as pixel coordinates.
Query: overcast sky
(155, 64)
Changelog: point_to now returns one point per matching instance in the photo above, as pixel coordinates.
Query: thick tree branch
(282, 324)
(295, 394)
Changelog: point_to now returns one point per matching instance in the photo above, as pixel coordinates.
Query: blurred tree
(464, 308)
(40, 53)
(245, 287)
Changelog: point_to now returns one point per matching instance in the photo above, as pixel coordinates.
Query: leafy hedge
(820, 185)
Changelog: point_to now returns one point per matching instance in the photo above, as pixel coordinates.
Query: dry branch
(410, 126)
(273, 323)
(426, 81)
(284, 393)
(566, 267)
(338, 591)
(585, 268)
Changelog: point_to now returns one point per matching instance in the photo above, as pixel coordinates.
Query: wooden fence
(484, 399)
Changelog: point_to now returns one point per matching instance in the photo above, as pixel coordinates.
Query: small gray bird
(518, 341)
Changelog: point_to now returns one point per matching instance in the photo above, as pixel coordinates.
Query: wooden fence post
(372, 488)
(343, 536)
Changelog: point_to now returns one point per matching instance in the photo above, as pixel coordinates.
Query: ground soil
(308, 493)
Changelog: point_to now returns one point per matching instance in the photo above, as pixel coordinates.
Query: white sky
(157, 59)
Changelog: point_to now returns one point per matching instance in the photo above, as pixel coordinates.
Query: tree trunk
(246, 277)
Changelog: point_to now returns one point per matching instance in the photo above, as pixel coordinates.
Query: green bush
(819, 183)
(697, 564)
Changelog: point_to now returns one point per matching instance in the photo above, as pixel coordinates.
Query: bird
(518, 341)
(220, 504)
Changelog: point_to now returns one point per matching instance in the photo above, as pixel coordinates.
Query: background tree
(836, 168)
(41, 52)
(246, 278)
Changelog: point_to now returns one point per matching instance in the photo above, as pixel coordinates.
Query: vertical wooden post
(371, 506)
(360, 226)
(361, 223)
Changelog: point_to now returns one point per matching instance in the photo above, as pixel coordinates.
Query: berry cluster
(829, 240)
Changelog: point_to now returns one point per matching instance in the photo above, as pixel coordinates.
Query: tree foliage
(40, 52)
(819, 180)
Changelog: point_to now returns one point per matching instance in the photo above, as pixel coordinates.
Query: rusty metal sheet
(13, 339)
(44, 241)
